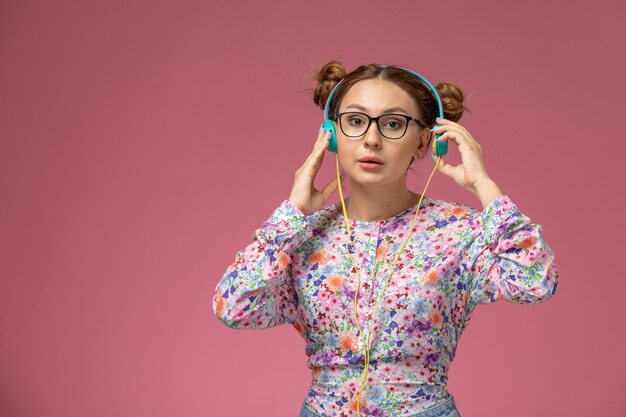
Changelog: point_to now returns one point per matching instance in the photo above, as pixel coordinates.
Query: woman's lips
(370, 164)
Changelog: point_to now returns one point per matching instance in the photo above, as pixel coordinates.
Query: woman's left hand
(471, 173)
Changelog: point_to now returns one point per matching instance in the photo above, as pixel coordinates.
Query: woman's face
(376, 97)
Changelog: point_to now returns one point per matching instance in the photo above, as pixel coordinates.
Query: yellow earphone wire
(367, 342)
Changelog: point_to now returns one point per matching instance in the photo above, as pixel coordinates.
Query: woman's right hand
(303, 193)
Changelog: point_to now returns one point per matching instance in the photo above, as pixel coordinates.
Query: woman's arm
(508, 259)
(256, 291)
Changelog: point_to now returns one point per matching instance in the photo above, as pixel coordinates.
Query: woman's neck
(373, 204)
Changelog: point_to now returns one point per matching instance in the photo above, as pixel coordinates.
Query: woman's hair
(329, 76)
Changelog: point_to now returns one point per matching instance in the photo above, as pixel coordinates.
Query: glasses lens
(353, 124)
(392, 126)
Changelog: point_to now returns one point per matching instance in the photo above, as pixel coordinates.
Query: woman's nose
(372, 136)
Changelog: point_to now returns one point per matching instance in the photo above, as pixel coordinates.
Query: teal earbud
(330, 126)
(441, 148)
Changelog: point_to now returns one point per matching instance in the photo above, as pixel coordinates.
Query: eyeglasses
(391, 126)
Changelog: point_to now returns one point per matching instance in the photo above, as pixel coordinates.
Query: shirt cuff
(500, 216)
(287, 227)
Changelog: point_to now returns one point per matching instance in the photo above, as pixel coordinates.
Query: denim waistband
(446, 408)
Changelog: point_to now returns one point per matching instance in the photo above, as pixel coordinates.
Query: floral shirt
(296, 271)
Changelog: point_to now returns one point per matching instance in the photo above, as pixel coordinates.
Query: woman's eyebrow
(389, 110)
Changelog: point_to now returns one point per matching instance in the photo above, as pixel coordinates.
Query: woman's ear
(425, 137)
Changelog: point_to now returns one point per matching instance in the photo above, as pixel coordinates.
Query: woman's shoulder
(445, 213)
(443, 206)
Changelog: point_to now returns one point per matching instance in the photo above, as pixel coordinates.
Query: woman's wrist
(298, 205)
(487, 190)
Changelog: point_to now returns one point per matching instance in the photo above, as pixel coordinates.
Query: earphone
(441, 148)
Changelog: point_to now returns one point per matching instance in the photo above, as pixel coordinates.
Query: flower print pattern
(296, 271)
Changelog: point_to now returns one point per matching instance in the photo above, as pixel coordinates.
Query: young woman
(382, 284)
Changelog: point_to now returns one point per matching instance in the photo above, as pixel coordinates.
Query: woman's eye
(355, 121)
(393, 124)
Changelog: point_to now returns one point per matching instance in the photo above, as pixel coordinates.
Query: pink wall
(141, 143)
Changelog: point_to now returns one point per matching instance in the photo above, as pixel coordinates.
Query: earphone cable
(367, 347)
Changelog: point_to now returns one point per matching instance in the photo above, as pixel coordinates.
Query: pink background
(142, 142)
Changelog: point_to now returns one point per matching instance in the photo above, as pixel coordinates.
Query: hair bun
(327, 78)
(451, 100)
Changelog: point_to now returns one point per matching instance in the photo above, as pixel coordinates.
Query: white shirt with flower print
(296, 271)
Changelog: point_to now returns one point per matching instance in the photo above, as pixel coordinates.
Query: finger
(447, 169)
(450, 128)
(321, 143)
(329, 188)
(433, 146)
(318, 156)
(455, 126)
(453, 135)
(459, 139)
(450, 124)
(443, 121)
(320, 136)
(315, 159)
(326, 138)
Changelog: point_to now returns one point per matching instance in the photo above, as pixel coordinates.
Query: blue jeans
(447, 408)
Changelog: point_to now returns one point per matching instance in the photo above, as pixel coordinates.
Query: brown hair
(329, 76)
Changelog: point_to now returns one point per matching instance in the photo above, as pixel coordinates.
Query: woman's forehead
(378, 96)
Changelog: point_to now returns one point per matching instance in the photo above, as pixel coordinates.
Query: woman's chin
(371, 180)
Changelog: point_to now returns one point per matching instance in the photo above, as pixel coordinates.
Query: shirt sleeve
(257, 291)
(508, 259)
